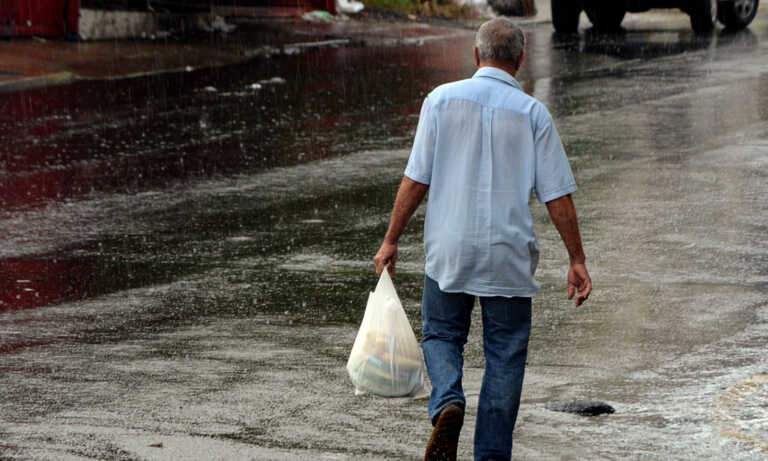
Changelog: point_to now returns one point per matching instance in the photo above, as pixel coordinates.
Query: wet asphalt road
(188, 267)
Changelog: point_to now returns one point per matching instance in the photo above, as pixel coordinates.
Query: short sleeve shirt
(483, 146)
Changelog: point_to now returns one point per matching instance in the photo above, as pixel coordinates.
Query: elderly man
(481, 147)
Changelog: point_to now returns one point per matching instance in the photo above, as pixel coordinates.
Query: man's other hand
(579, 283)
(386, 257)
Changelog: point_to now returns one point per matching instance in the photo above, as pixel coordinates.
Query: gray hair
(500, 40)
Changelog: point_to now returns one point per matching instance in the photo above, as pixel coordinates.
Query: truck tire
(703, 15)
(565, 15)
(737, 14)
(606, 15)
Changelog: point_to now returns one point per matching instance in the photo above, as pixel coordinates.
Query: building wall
(59, 18)
(178, 6)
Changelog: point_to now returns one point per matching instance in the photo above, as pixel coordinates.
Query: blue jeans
(506, 329)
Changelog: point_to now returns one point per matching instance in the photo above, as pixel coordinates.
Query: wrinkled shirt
(483, 145)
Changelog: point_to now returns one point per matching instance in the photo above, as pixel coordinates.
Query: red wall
(38, 17)
(60, 17)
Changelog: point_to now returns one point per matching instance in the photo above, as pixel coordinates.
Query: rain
(188, 224)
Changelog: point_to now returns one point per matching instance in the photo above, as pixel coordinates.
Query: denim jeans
(506, 329)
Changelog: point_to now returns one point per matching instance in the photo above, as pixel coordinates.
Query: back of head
(501, 41)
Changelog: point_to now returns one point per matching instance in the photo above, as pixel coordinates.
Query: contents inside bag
(386, 359)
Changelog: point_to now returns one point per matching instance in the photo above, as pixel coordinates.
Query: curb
(64, 78)
(534, 22)
(41, 81)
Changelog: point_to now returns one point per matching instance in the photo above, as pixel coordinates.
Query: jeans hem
(460, 403)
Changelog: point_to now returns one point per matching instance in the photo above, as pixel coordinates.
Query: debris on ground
(582, 407)
(349, 6)
(273, 81)
(317, 16)
(214, 23)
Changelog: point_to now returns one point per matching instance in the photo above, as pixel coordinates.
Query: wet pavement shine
(185, 258)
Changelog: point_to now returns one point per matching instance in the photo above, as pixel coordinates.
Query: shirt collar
(498, 74)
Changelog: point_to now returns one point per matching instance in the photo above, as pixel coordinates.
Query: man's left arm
(554, 184)
(563, 215)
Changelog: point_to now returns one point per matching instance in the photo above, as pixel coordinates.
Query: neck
(511, 70)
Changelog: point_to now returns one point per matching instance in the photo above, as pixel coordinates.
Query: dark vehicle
(606, 15)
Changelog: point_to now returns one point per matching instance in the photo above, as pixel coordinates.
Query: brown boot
(444, 442)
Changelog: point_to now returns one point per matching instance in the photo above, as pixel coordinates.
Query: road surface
(186, 257)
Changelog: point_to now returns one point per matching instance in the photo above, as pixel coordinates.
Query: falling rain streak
(186, 256)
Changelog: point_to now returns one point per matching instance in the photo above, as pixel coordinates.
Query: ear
(477, 56)
(520, 62)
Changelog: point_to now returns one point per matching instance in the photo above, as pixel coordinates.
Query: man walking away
(481, 147)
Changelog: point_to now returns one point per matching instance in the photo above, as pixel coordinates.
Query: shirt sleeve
(420, 162)
(553, 175)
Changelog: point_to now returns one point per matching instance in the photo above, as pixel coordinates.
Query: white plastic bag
(386, 359)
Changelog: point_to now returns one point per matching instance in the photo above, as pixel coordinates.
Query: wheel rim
(744, 8)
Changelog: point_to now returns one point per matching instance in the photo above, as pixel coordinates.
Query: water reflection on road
(157, 233)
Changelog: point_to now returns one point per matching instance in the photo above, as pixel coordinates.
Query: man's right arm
(409, 196)
(413, 188)
(563, 215)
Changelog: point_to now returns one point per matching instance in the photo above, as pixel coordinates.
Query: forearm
(563, 215)
(409, 196)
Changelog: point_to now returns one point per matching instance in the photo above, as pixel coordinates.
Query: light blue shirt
(483, 145)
